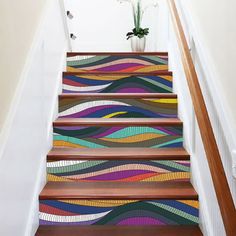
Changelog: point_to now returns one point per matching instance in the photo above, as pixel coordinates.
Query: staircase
(118, 166)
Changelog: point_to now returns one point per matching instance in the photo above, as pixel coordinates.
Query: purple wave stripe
(119, 175)
(108, 132)
(117, 67)
(141, 221)
(88, 111)
(132, 90)
(165, 130)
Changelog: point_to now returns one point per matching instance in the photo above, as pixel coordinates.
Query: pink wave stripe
(141, 221)
(119, 62)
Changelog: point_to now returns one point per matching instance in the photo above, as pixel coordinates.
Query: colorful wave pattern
(124, 171)
(116, 212)
(118, 136)
(118, 108)
(117, 63)
(117, 83)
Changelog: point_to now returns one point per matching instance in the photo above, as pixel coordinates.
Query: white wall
(29, 126)
(215, 23)
(19, 20)
(102, 25)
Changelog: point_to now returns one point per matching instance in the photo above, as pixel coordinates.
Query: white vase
(138, 44)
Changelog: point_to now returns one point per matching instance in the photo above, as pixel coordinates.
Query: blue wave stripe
(73, 208)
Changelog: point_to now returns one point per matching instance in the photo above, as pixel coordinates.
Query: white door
(102, 25)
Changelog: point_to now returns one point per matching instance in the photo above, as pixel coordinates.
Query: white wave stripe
(78, 58)
(87, 105)
(71, 219)
(85, 89)
(55, 164)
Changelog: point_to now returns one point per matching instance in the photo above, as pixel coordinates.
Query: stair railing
(221, 186)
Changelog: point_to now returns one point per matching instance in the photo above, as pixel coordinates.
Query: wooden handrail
(220, 182)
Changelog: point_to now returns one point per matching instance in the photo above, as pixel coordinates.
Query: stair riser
(117, 108)
(118, 136)
(118, 212)
(117, 84)
(131, 63)
(125, 171)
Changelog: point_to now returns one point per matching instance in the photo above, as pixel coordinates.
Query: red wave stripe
(73, 83)
(130, 179)
(132, 69)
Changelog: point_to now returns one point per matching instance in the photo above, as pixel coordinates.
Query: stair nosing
(118, 191)
(71, 54)
(154, 73)
(118, 154)
(118, 95)
(118, 121)
(138, 230)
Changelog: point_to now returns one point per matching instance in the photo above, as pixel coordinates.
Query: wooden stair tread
(119, 190)
(118, 95)
(118, 121)
(71, 54)
(118, 154)
(107, 230)
(154, 73)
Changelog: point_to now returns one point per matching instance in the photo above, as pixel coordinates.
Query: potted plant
(138, 34)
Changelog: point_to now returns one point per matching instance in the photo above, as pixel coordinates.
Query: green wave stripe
(176, 212)
(61, 168)
(86, 60)
(148, 207)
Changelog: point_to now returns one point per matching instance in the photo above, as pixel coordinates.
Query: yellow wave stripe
(168, 176)
(72, 69)
(167, 77)
(99, 203)
(58, 143)
(164, 100)
(114, 114)
(55, 178)
(194, 204)
(134, 139)
(103, 77)
(152, 68)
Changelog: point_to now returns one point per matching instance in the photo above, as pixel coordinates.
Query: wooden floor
(119, 231)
